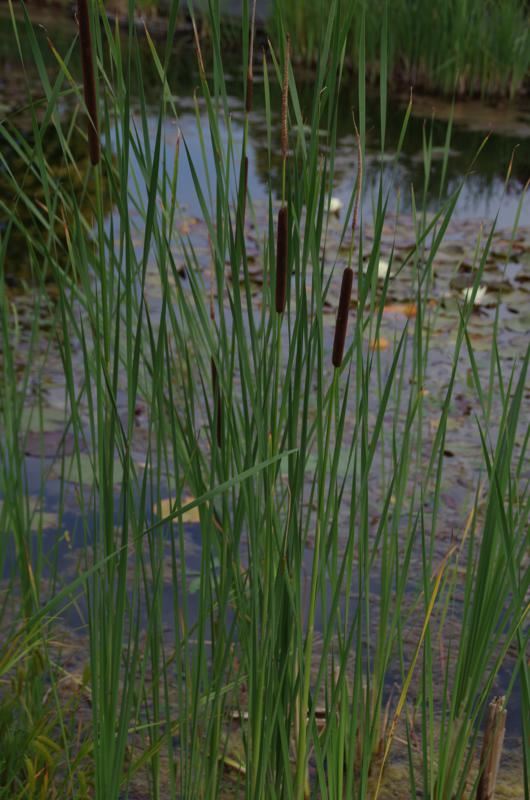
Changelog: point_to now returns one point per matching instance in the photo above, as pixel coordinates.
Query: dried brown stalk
(490, 755)
(285, 100)
(200, 61)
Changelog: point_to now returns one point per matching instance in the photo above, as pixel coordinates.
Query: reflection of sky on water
(483, 195)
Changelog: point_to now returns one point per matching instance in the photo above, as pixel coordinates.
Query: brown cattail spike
(341, 325)
(89, 80)
(281, 259)
(218, 408)
(285, 99)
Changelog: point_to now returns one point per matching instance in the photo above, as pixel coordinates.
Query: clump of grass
(289, 625)
(477, 48)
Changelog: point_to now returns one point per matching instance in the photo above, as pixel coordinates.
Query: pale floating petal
(479, 297)
(383, 269)
(335, 205)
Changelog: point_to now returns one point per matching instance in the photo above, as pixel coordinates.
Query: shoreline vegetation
(482, 51)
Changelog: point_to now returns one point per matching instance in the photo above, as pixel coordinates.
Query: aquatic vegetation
(294, 504)
(475, 48)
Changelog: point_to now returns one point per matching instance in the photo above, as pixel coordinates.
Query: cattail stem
(245, 188)
(341, 325)
(281, 259)
(89, 80)
(250, 90)
(283, 217)
(218, 408)
(250, 71)
(285, 99)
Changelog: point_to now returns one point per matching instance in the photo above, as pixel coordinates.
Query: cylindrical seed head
(341, 325)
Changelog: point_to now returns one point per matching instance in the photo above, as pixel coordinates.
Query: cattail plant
(341, 325)
(217, 404)
(250, 89)
(285, 100)
(89, 80)
(281, 259)
(282, 254)
(249, 94)
(245, 187)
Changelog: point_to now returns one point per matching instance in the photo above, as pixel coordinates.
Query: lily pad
(167, 507)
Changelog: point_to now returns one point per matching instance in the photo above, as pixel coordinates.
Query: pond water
(486, 195)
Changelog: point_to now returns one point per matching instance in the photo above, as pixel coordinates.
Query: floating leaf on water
(82, 472)
(505, 249)
(452, 250)
(167, 507)
(187, 224)
(408, 310)
(462, 281)
(519, 323)
(53, 418)
(502, 286)
(45, 520)
(462, 404)
(480, 342)
(47, 444)
(379, 344)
